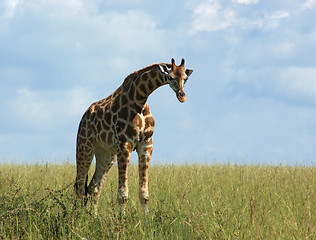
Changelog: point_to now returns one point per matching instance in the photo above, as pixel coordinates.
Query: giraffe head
(176, 77)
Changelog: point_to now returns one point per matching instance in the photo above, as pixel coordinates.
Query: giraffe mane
(133, 76)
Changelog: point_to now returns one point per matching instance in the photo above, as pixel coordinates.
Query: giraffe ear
(164, 69)
(188, 72)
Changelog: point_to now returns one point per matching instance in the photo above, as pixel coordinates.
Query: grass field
(186, 202)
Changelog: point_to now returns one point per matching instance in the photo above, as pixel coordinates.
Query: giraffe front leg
(123, 162)
(144, 151)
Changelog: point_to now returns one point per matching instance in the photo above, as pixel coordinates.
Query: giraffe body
(115, 126)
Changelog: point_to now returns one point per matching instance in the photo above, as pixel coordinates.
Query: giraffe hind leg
(84, 160)
(104, 161)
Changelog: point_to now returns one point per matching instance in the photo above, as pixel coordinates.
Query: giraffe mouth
(181, 96)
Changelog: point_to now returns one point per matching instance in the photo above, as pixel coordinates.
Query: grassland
(186, 202)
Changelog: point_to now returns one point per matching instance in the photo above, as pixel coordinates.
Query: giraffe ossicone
(113, 127)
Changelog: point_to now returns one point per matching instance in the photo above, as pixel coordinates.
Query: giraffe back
(115, 120)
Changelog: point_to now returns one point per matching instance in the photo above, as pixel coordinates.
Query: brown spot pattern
(119, 123)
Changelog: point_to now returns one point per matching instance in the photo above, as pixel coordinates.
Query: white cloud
(30, 105)
(284, 48)
(245, 23)
(246, 1)
(49, 8)
(209, 16)
(9, 7)
(278, 15)
(40, 109)
(134, 28)
(267, 20)
(299, 82)
(309, 4)
(60, 56)
(76, 41)
(272, 20)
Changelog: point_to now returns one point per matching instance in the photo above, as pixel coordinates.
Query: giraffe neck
(142, 83)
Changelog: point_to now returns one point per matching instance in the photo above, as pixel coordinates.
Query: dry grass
(186, 202)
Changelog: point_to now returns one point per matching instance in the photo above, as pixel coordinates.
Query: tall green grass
(186, 202)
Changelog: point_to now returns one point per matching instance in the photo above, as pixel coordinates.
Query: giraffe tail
(86, 186)
(86, 191)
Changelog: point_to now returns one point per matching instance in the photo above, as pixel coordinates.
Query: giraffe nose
(181, 96)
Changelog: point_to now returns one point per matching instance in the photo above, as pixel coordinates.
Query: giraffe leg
(123, 162)
(104, 162)
(144, 151)
(84, 158)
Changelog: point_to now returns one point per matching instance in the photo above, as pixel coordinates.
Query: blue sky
(250, 99)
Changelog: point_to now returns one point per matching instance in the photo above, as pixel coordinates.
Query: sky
(250, 100)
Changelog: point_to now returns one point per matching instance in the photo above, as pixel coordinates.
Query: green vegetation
(186, 202)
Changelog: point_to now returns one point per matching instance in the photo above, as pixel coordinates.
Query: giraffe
(115, 126)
